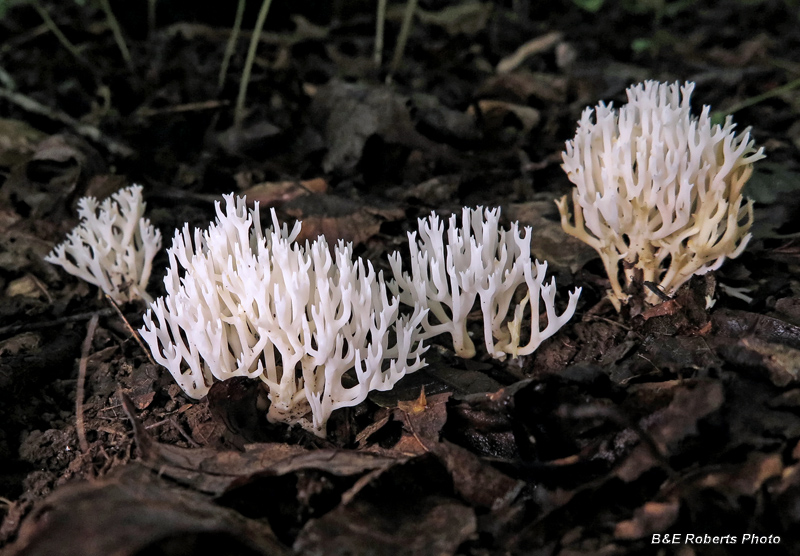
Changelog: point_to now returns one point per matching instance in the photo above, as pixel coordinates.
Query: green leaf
(592, 6)
(641, 45)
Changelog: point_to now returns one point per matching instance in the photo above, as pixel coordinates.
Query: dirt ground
(679, 422)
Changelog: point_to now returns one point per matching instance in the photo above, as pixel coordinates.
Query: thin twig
(231, 45)
(28, 327)
(181, 108)
(380, 24)
(183, 433)
(90, 132)
(87, 345)
(51, 25)
(609, 321)
(764, 96)
(405, 30)
(414, 432)
(133, 332)
(117, 32)
(15, 43)
(238, 113)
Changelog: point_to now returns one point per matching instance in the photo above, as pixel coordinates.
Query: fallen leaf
(406, 510)
(475, 480)
(523, 85)
(744, 479)
(27, 286)
(45, 184)
(428, 528)
(465, 18)
(652, 517)
(339, 218)
(126, 514)
(737, 324)
(497, 115)
(548, 240)
(348, 114)
(270, 194)
(692, 400)
(18, 140)
(422, 421)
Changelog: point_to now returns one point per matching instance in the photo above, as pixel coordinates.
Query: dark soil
(624, 432)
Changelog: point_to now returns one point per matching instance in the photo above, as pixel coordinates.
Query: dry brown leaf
(653, 517)
(692, 400)
(127, 514)
(270, 194)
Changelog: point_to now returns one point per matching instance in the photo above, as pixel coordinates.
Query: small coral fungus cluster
(658, 191)
(246, 301)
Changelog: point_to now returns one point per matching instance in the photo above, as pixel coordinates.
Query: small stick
(133, 332)
(380, 24)
(87, 345)
(51, 25)
(85, 130)
(402, 39)
(230, 46)
(179, 108)
(17, 328)
(238, 111)
(117, 32)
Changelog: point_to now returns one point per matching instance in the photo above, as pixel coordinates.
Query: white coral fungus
(113, 248)
(244, 302)
(477, 259)
(658, 189)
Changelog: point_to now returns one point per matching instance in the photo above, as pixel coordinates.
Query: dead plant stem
(51, 25)
(133, 332)
(117, 32)
(380, 24)
(231, 45)
(402, 39)
(238, 113)
(85, 348)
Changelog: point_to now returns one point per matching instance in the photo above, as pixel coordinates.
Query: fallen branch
(88, 131)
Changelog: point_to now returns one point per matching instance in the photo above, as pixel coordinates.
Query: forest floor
(679, 419)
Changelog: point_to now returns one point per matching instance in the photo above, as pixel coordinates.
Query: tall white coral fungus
(112, 248)
(473, 260)
(658, 189)
(244, 302)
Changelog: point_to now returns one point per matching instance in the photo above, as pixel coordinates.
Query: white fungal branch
(242, 302)
(657, 188)
(113, 247)
(478, 260)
